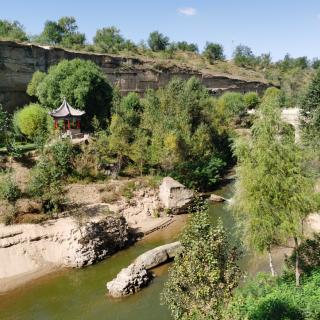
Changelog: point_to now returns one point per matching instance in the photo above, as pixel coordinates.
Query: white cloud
(187, 11)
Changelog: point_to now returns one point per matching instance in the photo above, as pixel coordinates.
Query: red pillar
(55, 123)
(68, 124)
(78, 124)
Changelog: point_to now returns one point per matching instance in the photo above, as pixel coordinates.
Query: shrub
(48, 176)
(266, 298)
(157, 41)
(243, 56)
(32, 120)
(202, 174)
(9, 189)
(213, 52)
(12, 31)
(251, 100)
(233, 103)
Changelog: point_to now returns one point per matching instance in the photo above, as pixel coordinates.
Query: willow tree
(274, 192)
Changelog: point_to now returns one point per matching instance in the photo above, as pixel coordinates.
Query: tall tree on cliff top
(204, 273)
(12, 31)
(63, 32)
(274, 192)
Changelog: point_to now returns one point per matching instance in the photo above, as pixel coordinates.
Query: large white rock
(136, 276)
(174, 195)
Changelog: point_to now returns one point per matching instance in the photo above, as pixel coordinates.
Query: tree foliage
(274, 191)
(310, 110)
(204, 273)
(157, 41)
(32, 120)
(213, 52)
(12, 31)
(243, 56)
(63, 32)
(81, 82)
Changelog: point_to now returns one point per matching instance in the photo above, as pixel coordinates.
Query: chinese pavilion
(70, 116)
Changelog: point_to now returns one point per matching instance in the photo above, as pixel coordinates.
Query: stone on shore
(137, 275)
(216, 198)
(175, 196)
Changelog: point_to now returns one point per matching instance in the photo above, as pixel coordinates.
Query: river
(81, 294)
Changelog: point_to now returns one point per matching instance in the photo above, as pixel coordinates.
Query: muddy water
(81, 294)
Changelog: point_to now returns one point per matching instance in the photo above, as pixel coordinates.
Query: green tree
(82, 83)
(251, 100)
(185, 46)
(204, 273)
(157, 41)
(12, 31)
(213, 52)
(310, 111)
(274, 192)
(243, 56)
(109, 39)
(32, 120)
(4, 126)
(63, 32)
(49, 175)
(36, 79)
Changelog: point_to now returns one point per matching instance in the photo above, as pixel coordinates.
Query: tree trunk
(273, 272)
(297, 270)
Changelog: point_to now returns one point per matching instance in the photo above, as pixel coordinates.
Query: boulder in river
(216, 198)
(137, 275)
(174, 195)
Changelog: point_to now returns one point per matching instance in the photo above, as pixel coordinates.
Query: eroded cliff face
(19, 61)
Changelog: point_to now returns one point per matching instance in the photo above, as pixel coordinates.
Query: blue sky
(276, 26)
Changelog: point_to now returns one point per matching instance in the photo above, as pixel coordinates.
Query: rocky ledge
(137, 275)
(27, 248)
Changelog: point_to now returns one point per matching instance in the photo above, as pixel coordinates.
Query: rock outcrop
(28, 248)
(174, 196)
(19, 61)
(137, 275)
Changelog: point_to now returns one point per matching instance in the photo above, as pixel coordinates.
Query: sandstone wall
(19, 61)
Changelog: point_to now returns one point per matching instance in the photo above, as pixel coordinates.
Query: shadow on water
(81, 294)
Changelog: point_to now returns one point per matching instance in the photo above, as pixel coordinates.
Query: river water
(81, 294)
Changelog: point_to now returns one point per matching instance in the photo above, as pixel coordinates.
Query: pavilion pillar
(68, 124)
(55, 123)
(78, 124)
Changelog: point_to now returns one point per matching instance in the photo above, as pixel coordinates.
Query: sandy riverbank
(42, 249)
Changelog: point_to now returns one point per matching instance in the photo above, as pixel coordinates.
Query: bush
(32, 121)
(49, 175)
(243, 56)
(9, 189)
(157, 41)
(213, 52)
(12, 31)
(233, 103)
(267, 298)
(251, 100)
(202, 174)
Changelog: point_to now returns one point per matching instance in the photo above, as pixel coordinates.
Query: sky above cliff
(275, 26)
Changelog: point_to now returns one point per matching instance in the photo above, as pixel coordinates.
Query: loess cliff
(19, 61)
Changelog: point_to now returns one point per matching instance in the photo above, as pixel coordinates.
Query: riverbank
(29, 252)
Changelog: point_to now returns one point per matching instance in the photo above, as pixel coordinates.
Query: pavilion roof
(65, 110)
